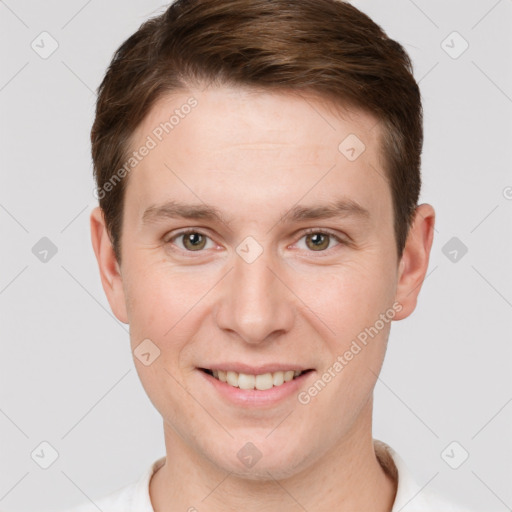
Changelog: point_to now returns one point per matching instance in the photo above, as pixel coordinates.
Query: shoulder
(133, 497)
(411, 497)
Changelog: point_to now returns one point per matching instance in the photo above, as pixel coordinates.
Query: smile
(260, 382)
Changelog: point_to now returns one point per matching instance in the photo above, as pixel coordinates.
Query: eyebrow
(340, 208)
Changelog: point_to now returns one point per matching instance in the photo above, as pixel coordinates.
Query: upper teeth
(261, 382)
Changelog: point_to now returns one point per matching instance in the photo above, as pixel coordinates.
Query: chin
(261, 460)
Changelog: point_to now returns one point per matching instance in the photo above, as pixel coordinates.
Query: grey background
(66, 371)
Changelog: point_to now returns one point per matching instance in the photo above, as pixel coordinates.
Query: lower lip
(256, 397)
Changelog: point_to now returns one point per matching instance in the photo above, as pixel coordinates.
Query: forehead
(227, 143)
(266, 116)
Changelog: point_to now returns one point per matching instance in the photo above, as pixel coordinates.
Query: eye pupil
(319, 240)
(196, 239)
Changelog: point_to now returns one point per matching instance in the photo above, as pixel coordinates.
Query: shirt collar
(407, 488)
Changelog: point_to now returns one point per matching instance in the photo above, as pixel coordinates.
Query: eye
(319, 241)
(192, 240)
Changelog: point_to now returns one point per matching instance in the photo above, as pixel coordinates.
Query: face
(258, 239)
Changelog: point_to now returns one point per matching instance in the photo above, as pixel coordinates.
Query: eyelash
(304, 233)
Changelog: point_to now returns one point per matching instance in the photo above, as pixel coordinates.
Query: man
(258, 172)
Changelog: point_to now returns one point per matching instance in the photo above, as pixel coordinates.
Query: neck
(347, 477)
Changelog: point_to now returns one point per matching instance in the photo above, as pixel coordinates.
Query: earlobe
(110, 272)
(414, 262)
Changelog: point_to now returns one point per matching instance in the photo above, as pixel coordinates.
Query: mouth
(261, 382)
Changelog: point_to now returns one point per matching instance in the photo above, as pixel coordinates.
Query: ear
(110, 271)
(414, 261)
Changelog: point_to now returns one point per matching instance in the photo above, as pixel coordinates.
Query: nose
(255, 302)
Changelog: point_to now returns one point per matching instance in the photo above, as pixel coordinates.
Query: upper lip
(256, 370)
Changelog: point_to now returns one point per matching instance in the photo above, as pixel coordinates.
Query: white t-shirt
(410, 497)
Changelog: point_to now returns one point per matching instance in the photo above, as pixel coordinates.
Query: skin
(254, 155)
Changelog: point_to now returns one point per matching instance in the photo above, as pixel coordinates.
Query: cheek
(353, 334)
(154, 304)
(351, 296)
(164, 303)
(162, 306)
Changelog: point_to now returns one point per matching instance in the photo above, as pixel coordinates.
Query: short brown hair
(325, 47)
